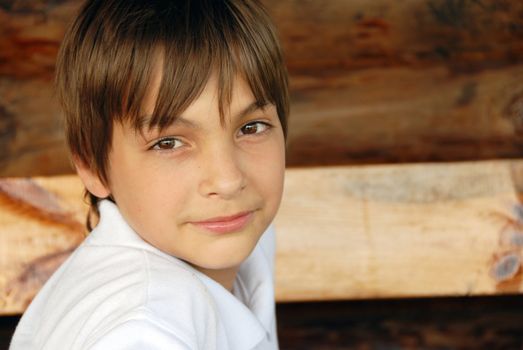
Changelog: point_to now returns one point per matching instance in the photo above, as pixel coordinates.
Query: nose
(222, 174)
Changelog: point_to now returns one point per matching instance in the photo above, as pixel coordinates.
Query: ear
(90, 179)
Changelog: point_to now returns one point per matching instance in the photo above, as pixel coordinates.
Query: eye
(254, 128)
(166, 144)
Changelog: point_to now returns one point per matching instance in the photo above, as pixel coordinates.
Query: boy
(175, 114)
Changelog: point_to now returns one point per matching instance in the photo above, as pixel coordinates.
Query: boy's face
(179, 188)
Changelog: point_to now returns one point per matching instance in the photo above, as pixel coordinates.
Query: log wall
(372, 82)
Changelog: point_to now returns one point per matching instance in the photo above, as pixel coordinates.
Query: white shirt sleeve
(138, 334)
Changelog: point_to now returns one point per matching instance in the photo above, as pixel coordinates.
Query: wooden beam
(399, 231)
(463, 34)
(343, 232)
(349, 119)
(369, 116)
(40, 224)
(406, 115)
(428, 323)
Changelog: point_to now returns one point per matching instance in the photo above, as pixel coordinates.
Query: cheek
(155, 204)
(163, 187)
(268, 171)
(143, 186)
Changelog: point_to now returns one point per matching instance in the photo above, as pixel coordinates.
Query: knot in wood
(514, 112)
(7, 135)
(506, 267)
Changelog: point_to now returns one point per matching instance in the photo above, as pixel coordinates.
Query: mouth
(226, 224)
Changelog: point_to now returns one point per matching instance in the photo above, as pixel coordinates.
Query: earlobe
(92, 182)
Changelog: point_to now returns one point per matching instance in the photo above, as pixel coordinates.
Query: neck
(225, 277)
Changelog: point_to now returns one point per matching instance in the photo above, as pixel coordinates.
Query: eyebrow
(254, 106)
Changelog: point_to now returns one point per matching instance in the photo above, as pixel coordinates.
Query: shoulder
(109, 291)
(141, 331)
(163, 294)
(175, 311)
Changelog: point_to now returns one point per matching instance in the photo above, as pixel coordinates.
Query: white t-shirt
(116, 291)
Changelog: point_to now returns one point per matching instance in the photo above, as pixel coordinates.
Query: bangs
(228, 39)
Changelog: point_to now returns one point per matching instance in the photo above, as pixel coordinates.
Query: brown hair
(108, 54)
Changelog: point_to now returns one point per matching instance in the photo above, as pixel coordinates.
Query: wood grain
(35, 240)
(462, 34)
(347, 232)
(372, 82)
(396, 231)
(406, 115)
(31, 134)
(494, 323)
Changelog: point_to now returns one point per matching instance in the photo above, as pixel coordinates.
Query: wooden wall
(372, 81)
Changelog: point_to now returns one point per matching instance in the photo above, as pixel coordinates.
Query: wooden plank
(343, 232)
(406, 115)
(430, 80)
(428, 116)
(369, 116)
(407, 324)
(41, 222)
(465, 34)
(30, 35)
(397, 231)
(32, 140)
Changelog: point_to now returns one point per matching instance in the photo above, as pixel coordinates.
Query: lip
(225, 224)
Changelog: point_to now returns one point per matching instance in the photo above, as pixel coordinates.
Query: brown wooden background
(379, 81)
(372, 81)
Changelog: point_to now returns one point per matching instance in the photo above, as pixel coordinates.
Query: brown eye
(167, 144)
(254, 128)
